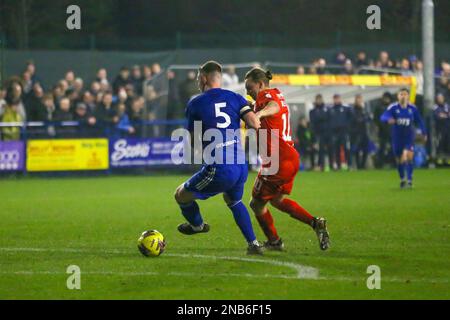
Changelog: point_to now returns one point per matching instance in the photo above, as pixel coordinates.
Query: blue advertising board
(12, 155)
(141, 152)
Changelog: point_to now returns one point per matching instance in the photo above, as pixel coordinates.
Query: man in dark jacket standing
(122, 80)
(106, 115)
(320, 121)
(442, 120)
(384, 153)
(63, 114)
(340, 117)
(86, 120)
(359, 135)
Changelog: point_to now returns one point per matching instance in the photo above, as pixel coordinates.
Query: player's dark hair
(404, 89)
(210, 67)
(258, 74)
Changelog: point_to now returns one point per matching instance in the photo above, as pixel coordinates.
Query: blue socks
(242, 218)
(191, 212)
(408, 167)
(401, 170)
(409, 170)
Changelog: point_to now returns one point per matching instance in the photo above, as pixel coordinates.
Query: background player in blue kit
(218, 109)
(402, 116)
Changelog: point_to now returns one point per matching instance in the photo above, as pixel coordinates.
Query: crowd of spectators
(120, 105)
(384, 64)
(362, 64)
(103, 106)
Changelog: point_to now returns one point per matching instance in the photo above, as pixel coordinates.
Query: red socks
(265, 220)
(294, 209)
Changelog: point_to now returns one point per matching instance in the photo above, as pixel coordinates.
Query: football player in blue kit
(402, 116)
(218, 110)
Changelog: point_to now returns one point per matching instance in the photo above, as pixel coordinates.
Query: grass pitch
(48, 224)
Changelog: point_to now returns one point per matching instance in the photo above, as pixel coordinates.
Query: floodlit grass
(48, 224)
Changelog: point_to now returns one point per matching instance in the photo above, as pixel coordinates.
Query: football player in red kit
(273, 112)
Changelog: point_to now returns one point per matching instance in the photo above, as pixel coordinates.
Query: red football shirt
(278, 125)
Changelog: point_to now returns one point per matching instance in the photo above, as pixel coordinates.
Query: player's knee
(252, 204)
(178, 194)
(175, 195)
(255, 205)
(276, 201)
(227, 199)
(410, 156)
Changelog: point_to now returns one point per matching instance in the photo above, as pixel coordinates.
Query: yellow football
(151, 243)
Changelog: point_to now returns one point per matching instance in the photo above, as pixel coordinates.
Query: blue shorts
(214, 179)
(399, 146)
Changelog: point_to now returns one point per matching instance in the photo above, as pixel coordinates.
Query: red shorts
(267, 187)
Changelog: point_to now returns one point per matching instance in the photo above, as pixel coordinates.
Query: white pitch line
(302, 272)
(238, 275)
(134, 274)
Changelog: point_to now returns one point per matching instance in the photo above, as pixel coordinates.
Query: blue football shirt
(219, 112)
(405, 119)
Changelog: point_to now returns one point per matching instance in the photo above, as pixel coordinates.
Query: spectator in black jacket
(27, 83)
(42, 110)
(137, 80)
(122, 80)
(384, 154)
(31, 69)
(136, 114)
(361, 60)
(49, 108)
(303, 142)
(442, 120)
(174, 110)
(348, 67)
(106, 114)
(320, 122)
(64, 114)
(359, 134)
(102, 76)
(340, 117)
(89, 100)
(188, 88)
(33, 103)
(85, 119)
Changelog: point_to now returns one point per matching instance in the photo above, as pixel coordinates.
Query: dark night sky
(164, 18)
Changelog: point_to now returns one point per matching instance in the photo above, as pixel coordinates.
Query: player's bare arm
(252, 120)
(269, 110)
